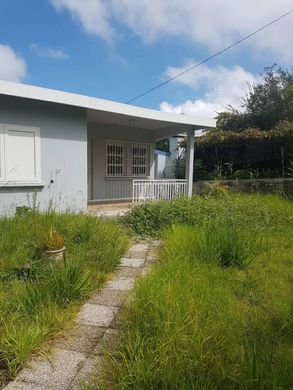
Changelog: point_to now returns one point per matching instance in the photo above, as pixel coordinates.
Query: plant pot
(56, 254)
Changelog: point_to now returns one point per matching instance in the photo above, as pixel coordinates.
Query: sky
(117, 49)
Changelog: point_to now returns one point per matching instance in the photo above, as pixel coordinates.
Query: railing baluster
(167, 189)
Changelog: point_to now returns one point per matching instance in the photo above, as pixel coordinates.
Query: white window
(140, 160)
(20, 160)
(116, 158)
(125, 158)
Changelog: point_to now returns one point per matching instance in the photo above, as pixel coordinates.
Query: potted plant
(52, 243)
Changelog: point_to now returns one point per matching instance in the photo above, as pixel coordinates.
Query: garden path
(75, 359)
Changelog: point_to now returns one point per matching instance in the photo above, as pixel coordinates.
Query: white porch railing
(165, 189)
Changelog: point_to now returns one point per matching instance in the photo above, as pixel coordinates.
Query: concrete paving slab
(86, 374)
(98, 315)
(138, 247)
(25, 386)
(129, 272)
(109, 297)
(121, 283)
(136, 254)
(82, 338)
(56, 373)
(132, 262)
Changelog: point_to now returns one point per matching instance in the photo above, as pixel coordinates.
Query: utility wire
(209, 58)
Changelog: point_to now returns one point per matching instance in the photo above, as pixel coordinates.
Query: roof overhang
(110, 112)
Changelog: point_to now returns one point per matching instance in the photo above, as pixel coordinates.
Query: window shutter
(22, 154)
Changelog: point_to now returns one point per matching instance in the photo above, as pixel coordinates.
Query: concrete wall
(161, 159)
(265, 186)
(63, 132)
(103, 188)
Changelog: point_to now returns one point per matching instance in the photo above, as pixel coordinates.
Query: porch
(121, 155)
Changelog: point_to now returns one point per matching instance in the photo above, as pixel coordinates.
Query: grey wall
(63, 154)
(101, 187)
(265, 186)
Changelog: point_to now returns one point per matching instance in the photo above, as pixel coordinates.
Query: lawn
(216, 310)
(38, 296)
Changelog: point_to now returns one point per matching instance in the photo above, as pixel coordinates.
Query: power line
(208, 58)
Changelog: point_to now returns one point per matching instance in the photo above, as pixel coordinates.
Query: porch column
(189, 160)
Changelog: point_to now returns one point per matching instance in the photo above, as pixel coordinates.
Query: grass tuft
(221, 242)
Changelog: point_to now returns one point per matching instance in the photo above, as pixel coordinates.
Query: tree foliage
(163, 145)
(267, 103)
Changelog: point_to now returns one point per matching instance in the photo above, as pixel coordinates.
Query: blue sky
(116, 49)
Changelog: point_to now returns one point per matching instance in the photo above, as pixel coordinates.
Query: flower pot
(56, 254)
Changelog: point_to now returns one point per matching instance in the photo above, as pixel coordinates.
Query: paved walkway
(75, 358)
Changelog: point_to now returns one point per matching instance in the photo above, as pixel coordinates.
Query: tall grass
(37, 297)
(259, 211)
(221, 242)
(215, 312)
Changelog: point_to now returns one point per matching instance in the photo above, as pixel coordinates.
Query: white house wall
(160, 164)
(103, 188)
(63, 132)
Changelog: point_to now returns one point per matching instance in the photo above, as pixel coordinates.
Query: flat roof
(107, 111)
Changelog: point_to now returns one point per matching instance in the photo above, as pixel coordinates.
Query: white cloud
(212, 24)
(93, 15)
(12, 66)
(48, 52)
(223, 86)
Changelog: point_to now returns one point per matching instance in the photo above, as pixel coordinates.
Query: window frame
(137, 156)
(5, 179)
(128, 157)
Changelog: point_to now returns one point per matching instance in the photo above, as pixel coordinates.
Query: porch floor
(108, 209)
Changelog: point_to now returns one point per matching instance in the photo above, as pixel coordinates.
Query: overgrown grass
(221, 242)
(198, 322)
(38, 296)
(259, 211)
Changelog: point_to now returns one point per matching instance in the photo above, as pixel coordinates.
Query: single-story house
(68, 150)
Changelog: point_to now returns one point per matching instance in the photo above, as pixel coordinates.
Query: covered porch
(121, 154)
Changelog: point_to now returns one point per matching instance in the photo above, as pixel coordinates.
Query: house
(69, 150)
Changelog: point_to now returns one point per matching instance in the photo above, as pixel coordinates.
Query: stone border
(76, 357)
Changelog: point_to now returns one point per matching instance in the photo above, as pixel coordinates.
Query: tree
(163, 144)
(267, 103)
